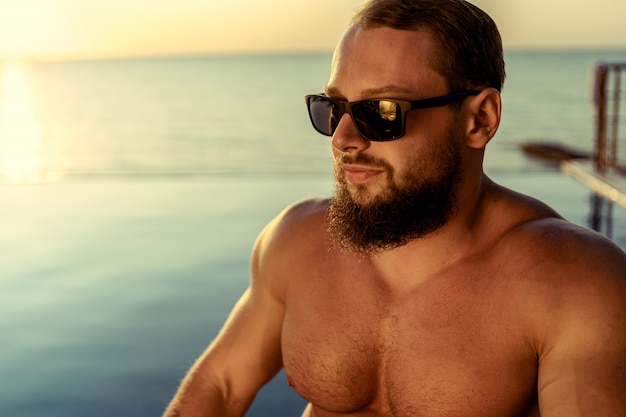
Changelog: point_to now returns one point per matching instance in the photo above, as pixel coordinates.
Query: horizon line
(269, 53)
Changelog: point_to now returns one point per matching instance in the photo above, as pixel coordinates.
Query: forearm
(197, 399)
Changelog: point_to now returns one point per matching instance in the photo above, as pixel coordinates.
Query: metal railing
(608, 100)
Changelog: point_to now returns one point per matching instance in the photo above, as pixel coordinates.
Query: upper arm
(247, 351)
(582, 366)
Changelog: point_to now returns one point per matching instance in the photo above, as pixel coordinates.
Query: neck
(458, 239)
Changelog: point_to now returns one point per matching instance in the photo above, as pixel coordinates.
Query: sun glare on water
(20, 133)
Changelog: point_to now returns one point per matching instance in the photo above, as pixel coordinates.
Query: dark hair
(469, 44)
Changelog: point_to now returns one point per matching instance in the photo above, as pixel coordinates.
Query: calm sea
(241, 115)
(155, 176)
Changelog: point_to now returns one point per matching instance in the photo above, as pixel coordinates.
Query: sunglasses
(378, 120)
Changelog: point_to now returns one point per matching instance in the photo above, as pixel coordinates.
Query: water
(154, 178)
(245, 114)
(195, 116)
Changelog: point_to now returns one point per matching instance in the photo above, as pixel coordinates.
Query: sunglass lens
(323, 114)
(378, 120)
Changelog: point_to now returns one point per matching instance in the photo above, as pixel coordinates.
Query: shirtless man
(422, 288)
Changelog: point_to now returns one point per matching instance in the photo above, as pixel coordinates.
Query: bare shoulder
(573, 276)
(297, 235)
(569, 256)
(543, 237)
(302, 220)
(570, 292)
(537, 237)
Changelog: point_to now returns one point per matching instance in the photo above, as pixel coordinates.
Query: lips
(357, 174)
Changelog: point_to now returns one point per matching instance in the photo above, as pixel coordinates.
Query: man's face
(389, 193)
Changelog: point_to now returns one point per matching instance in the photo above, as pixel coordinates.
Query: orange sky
(110, 28)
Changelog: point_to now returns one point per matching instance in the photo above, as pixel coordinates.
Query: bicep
(583, 383)
(583, 372)
(246, 353)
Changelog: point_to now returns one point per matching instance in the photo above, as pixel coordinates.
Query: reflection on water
(20, 132)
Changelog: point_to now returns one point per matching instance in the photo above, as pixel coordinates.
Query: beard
(417, 205)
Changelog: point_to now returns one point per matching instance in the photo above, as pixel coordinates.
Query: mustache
(363, 159)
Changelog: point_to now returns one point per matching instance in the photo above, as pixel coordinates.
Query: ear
(483, 117)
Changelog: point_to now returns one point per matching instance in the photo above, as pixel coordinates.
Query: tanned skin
(506, 311)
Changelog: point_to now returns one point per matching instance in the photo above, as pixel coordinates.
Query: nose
(347, 138)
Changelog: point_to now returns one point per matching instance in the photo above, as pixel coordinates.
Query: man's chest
(350, 350)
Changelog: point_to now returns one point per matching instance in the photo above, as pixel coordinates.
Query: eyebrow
(387, 90)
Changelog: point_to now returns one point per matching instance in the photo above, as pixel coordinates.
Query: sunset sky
(61, 29)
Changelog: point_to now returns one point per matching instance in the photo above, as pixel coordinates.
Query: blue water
(206, 116)
(153, 178)
(246, 114)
